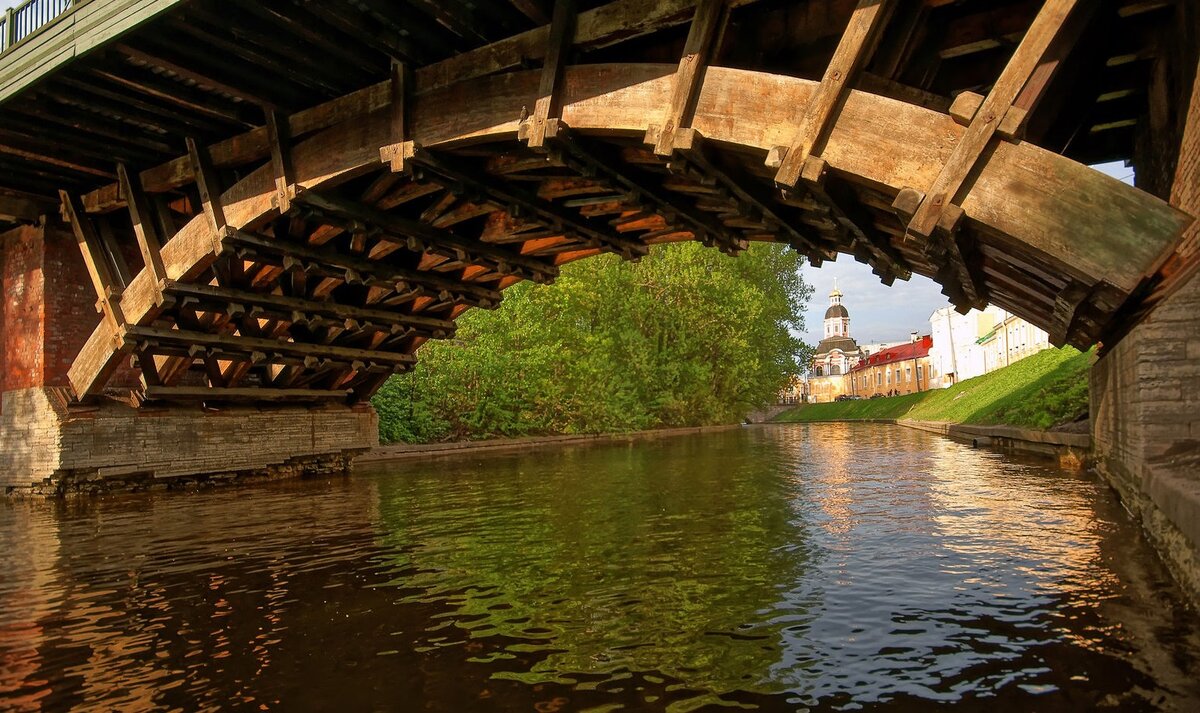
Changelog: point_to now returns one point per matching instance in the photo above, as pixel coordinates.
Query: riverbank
(1047, 391)
(406, 451)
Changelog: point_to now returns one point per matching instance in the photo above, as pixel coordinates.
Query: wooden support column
(397, 153)
(545, 120)
(813, 125)
(706, 23)
(209, 186)
(108, 292)
(144, 230)
(281, 160)
(952, 180)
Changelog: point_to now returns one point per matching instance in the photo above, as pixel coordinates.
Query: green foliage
(1042, 391)
(687, 336)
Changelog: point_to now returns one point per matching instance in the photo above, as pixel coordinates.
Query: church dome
(835, 311)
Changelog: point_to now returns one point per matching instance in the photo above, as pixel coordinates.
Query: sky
(879, 313)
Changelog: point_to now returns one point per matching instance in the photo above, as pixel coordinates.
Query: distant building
(836, 354)
(893, 371)
(981, 341)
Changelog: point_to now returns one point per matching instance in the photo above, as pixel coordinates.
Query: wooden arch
(366, 264)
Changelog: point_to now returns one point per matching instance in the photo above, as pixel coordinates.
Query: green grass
(1042, 391)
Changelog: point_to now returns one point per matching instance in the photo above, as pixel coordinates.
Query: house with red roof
(897, 370)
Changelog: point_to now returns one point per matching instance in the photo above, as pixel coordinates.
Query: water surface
(823, 567)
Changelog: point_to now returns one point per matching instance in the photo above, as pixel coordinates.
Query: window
(834, 370)
(819, 371)
(878, 379)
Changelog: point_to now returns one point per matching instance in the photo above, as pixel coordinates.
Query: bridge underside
(307, 258)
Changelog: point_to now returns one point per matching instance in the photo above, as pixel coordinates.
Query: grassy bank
(1042, 391)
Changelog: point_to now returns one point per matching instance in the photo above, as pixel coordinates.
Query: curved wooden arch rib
(1093, 227)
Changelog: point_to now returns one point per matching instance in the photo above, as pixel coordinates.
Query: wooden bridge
(283, 201)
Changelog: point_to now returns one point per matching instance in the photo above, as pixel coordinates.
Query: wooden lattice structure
(283, 201)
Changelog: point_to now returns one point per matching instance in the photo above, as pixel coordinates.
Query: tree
(686, 336)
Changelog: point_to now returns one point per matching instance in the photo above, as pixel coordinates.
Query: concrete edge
(1072, 450)
(398, 452)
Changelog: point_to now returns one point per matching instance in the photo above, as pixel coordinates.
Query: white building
(981, 341)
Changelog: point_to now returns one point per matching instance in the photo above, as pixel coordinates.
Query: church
(836, 354)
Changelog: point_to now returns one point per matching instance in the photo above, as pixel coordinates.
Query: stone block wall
(1146, 389)
(49, 447)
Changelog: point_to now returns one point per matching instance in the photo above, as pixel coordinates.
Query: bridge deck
(337, 209)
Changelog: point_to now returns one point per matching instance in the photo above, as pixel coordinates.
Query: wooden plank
(813, 125)
(951, 180)
(696, 50)
(547, 108)
(144, 229)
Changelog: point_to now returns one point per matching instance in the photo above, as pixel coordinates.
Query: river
(790, 568)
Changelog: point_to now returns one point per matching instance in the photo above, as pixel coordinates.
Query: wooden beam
(952, 179)
(286, 308)
(746, 190)
(200, 393)
(1066, 306)
(813, 125)
(24, 208)
(589, 161)
(547, 108)
(513, 198)
(688, 78)
(232, 344)
(209, 186)
(281, 160)
(352, 268)
(144, 230)
(108, 294)
(420, 237)
(599, 27)
(397, 153)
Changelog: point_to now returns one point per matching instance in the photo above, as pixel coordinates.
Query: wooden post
(281, 160)
(812, 128)
(10, 28)
(397, 153)
(108, 294)
(696, 50)
(546, 110)
(144, 230)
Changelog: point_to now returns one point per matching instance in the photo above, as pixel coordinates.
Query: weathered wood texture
(875, 144)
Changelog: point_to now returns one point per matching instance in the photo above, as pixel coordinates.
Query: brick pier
(49, 445)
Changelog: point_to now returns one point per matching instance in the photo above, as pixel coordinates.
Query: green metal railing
(27, 18)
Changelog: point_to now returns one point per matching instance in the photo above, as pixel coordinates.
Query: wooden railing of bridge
(29, 17)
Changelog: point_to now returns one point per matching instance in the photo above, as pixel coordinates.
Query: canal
(822, 567)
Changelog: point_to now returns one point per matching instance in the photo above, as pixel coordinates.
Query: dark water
(820, 567)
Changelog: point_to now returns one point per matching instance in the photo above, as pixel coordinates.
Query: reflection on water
(819, 567)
